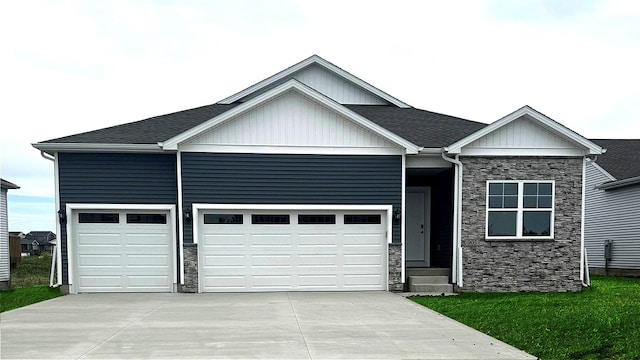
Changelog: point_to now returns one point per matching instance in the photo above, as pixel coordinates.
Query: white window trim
(520, 209)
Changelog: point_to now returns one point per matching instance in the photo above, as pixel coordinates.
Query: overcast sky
(73, 66)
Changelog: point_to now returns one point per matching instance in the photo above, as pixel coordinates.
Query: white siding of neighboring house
(611, 215)
(4, 238)
(292, 120)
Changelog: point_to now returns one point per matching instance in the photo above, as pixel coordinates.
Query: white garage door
(292, 250)
(122, 251)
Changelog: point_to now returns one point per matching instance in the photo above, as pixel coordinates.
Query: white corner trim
(180, 217)
(314, 59)
(291, 85)
(71, 207)
(592, 149)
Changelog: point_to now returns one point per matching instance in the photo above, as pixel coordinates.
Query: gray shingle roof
(621, 158)
(148, 131)
(423, 128)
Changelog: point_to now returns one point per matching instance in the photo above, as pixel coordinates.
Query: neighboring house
(612, 205)
(15, 247)
(37, 242)
(5, 267)
(315, 180)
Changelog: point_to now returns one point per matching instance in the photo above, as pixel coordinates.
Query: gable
(291, 119)
(519, 135)
(324, 77)
(525, 132)
(330, 85)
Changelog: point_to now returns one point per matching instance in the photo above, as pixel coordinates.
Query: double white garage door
(292, 250)
(239, 250)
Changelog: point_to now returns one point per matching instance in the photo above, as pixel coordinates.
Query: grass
(32, 271)
(601, 322)
(16, 298)
(30, 282)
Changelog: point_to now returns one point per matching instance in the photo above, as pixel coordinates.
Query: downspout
(584, 269)
(55, 259)
(456, 264)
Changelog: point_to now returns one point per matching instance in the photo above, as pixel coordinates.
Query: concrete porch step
(431, 288)
(421, 280)
(428, 272)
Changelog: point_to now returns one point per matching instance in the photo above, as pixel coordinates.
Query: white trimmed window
(520, 209)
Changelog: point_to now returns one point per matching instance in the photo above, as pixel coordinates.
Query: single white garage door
(292, 250)
(122, 251)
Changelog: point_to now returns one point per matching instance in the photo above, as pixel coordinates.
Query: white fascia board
(172, 144)
(502, 151)
(315, 59)
(592, 149)
(291, 149)
(51, 148)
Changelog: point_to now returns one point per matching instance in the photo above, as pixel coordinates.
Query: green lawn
(29, 282)
(13, 299)
(601, 322)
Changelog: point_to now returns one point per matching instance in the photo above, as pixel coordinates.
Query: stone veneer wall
(522, 265)
(190, 269)
(395, 267)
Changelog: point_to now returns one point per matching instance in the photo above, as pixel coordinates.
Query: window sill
(524, 239)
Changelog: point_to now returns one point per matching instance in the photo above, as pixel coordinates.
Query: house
(15, 247)
(37, 242)
(612, 205)
(5, 270)
(314, 179)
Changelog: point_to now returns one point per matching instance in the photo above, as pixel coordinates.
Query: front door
(417, 227)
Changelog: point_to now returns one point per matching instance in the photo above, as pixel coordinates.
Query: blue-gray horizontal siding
(115, 178)
(291, 179)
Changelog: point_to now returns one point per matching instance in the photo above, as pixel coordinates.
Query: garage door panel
(317, 259)
(123, 257)
(99, 239)
(361, 259)
(271, 281)
(98, 260)
(225, 283)
(148, 260)
(292, 256)
(225, 260)
(224, 240)
(316, 240)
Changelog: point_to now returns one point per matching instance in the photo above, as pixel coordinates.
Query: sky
(74, 66)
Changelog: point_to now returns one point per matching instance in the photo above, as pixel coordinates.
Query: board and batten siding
(105, 178)
(292, 119)
(521, 133)
(329, 84)
(290, 179)
(611, 215)
(4, 238)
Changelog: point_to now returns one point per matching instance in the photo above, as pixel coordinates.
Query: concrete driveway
(354, 325)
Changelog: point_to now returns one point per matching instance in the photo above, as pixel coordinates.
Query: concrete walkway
(354, 325)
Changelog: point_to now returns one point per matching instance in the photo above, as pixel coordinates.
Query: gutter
(619, 183)
(456, 264)
(55, 260)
